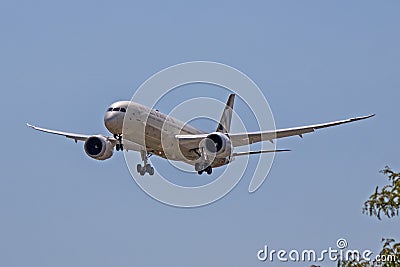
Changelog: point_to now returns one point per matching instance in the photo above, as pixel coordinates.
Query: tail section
(224, 125)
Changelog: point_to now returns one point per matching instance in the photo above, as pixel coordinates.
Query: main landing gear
(203, 166)
(119, 146)
(146, 166)
(200, 169)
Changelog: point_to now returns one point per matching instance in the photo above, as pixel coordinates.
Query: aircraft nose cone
(113, 122)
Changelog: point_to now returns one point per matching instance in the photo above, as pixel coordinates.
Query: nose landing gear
(119, 146)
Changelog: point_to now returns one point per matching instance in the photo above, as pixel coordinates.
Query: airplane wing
(128, 145)
(241, 139)
(74, 136)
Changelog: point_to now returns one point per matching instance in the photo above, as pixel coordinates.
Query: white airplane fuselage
(153, 130)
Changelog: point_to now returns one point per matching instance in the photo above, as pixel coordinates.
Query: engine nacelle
(219, 144)
(98, 147)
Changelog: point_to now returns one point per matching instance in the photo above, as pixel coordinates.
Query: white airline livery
(138, 128)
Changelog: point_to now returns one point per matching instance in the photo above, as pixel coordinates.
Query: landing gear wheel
(209, 170)
(151, 171)
(197, 167)
(146, 166)
(200, 172)
(117, 147)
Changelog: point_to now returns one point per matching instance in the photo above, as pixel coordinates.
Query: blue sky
(63, 63)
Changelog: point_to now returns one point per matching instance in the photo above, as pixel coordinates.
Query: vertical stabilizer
(224, 125)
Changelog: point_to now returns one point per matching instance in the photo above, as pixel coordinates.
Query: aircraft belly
(158, 136)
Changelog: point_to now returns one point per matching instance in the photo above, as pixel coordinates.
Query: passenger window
(116, 109)
(123, 110)
(109, 109)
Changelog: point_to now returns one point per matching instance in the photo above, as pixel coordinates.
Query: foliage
(388, 257)
(387, 200)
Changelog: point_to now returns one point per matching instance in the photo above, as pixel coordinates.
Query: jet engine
(98, 147)
(219, 144)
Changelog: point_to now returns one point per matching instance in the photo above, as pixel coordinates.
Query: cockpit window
(116, 109)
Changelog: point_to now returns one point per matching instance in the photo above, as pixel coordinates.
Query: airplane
(139, 128)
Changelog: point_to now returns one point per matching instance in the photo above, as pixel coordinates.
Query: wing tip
(283, 150)
(365, 117)
(370, 116)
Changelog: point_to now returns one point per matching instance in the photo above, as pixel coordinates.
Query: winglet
(224, 125)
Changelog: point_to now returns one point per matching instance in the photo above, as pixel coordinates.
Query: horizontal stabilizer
(259, 152)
